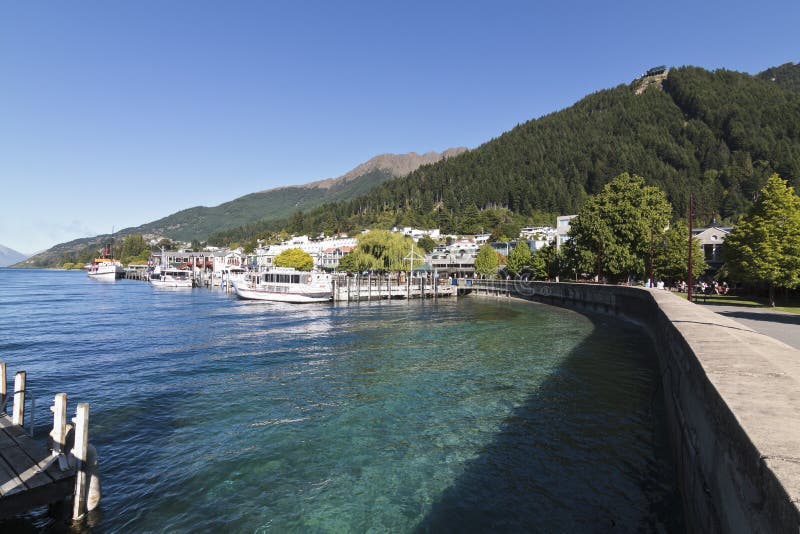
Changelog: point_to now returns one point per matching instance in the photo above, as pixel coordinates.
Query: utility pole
(689, 287)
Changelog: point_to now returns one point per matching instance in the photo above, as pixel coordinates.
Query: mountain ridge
(199, 221)
(716, 134)
(9, 256)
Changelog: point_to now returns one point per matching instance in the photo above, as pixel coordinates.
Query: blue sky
(113, 114)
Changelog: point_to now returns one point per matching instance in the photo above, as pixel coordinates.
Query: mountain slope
(715, 134)
(200, 221)
(786, 75)
(9, 256)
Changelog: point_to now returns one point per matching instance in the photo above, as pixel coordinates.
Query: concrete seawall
(733, 403)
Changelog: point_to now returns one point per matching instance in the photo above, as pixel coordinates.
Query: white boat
(105, 269)
(171, 277)
(285, 285)
(228, 275)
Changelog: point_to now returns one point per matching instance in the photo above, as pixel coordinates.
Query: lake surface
(212, 414)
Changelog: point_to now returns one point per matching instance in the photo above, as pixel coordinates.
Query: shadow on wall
(587, 452)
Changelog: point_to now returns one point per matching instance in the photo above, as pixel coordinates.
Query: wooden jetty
(32, 475)
(367, 288)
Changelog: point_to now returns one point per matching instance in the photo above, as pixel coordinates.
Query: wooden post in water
(369, 288)
(18, 417)
(3, 386)
(59, 432)
(348, 289)
(81, 421)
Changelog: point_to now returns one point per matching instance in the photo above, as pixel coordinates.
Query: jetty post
(3, 386)
(18, 413)
(81, 421)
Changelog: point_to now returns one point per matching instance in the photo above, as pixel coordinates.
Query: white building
(711, 239)
(416, 233)
(316, 248)
(562, 229)
(457, 259)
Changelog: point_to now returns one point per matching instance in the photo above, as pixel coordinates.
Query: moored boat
(285, 285)
(171, 277)
(105, 268)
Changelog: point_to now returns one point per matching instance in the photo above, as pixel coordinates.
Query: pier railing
(32, 475)
(378, 287)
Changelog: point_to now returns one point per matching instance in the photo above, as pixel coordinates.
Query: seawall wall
(733, 404)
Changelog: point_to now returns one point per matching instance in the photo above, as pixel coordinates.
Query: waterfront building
(327, 251)
(457, 259)
(540, 236)
(562, 229)
(416, 233)
(711, 240)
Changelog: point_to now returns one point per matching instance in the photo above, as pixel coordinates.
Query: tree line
(719, 135)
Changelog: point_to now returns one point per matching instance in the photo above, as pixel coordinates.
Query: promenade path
(783, 326)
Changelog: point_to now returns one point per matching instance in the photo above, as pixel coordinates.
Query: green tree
(486, 262)
(671, 254)
(133, 245)
(358, 261)
(765, 244)
(519, 258)
(387, 248)
(547, 262)
(295, 258)
(614, 228)
(426, 243)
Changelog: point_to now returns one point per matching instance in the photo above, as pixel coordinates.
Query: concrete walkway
(783, 326)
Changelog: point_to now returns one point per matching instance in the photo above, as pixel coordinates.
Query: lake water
(212, 414)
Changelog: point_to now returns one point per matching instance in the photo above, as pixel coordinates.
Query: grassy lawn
(791, 305)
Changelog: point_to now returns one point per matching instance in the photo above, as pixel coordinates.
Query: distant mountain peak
(9, 256)
(394, 164)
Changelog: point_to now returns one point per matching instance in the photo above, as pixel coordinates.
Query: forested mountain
(198, 222)
(787, 76)
(716, 134)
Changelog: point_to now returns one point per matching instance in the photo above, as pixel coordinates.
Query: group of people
(705, 288)
(714, 288)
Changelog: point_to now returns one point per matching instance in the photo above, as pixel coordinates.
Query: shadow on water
(587, 452)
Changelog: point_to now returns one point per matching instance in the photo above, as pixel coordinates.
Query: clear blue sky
(113, 114)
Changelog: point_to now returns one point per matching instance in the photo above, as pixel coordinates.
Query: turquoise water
(212, 414)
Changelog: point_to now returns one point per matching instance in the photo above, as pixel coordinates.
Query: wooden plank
(23, 501)
(6, 440)
(38, 454)
(26, 468)
(10, 483)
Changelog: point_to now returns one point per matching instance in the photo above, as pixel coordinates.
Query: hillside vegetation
(717, 134)
(198, 222)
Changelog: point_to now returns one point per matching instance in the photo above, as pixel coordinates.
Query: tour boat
(169, 277)
(285, 285)
(105, 269)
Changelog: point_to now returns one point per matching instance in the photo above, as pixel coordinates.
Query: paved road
(782, 326)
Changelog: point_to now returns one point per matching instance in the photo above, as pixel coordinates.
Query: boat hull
(109, 276)
(172, 283)
(274, 296)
